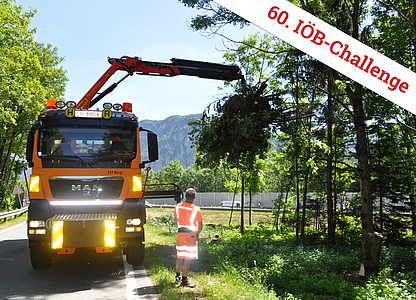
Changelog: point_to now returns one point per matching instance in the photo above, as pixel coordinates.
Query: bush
(386, 287)
(166, 222)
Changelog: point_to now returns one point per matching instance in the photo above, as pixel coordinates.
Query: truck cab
(86, 186)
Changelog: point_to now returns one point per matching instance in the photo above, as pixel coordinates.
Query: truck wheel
(40, 256)
(135, 251)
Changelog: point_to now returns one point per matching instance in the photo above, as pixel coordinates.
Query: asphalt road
(84, 275)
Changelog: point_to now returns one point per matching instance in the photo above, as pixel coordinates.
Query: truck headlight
(36, 223)
(135, 222)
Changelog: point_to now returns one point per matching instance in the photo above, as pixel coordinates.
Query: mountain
(173, 140)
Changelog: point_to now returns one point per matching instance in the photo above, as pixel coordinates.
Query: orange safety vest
(188, 216)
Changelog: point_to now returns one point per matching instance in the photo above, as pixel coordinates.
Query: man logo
(86, 189)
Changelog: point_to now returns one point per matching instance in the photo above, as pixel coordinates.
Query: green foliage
(286, 268)
(399, 259)
(165, 222)
(386, 286)
(348, 230)
(308, 271)
(236, 137)
(269, 265)
(30, 73)
(201, 179)
(221, 16)
(239, 129)
(319, 152)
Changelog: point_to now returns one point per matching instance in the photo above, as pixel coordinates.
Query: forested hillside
(174, 143)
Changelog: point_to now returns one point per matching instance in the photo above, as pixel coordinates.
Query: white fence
(214, 199)
(264, 200)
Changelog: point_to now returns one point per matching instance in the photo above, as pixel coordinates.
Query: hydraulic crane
(86, 189)
(134, 65)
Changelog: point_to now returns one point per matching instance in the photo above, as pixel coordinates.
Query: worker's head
(190, 195)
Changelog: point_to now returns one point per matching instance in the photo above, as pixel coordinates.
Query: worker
(188, 219)
(118, 144)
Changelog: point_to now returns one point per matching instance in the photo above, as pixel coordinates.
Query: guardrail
(13, 212)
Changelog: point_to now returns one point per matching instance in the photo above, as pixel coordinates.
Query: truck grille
(86, 187)
(84, 217)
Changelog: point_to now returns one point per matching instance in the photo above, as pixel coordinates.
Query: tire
(40, 256)
(135, 251)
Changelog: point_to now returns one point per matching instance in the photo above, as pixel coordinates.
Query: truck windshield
(87, 144)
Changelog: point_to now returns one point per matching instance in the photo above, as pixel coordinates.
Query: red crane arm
(131, 65)
(177, 67)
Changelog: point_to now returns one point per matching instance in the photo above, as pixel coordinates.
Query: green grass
(263, 265)
(6, 222)
(212, 282)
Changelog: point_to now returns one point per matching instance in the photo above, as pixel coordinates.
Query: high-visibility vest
(186, 215)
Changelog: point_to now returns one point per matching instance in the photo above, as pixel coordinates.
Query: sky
(87, 32)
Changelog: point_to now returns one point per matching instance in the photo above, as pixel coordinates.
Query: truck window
(87, 143)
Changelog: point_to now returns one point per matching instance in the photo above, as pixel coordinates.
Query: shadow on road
(68, 274)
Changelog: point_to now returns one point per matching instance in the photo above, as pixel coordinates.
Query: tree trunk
(370, 250)
(242, 204)
(406, 140)
(249, 209)
(306, 180)
(371, 259)
(413, 208)
(297, 199)
(3, 142)
(4, 166)
(330, 203)
(284, 209)
(380, 180)
(305, 197)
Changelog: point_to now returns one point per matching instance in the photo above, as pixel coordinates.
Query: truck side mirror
(152, 148)
(30, 144)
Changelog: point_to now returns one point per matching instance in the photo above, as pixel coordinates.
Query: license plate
(88, 114)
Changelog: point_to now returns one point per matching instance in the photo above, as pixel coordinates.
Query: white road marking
(131, 284)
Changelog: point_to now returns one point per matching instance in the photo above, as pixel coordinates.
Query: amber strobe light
(127, 107)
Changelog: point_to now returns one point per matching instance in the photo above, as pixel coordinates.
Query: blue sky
(86, 32)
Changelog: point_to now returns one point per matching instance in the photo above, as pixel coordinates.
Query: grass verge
(263, 265)
(6, 222)
(212, 282)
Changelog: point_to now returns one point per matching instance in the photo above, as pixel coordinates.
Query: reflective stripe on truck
(84, 230)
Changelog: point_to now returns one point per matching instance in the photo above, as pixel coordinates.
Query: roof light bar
(117, 106)
(60, 104)
(70, 104)
(107, 105)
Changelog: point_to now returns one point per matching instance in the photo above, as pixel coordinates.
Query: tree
(346, 16)
(395, 20)
(171, 174)
(30, 74)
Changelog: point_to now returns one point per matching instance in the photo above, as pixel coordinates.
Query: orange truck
(86, 188)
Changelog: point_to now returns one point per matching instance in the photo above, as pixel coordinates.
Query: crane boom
(177, 67)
